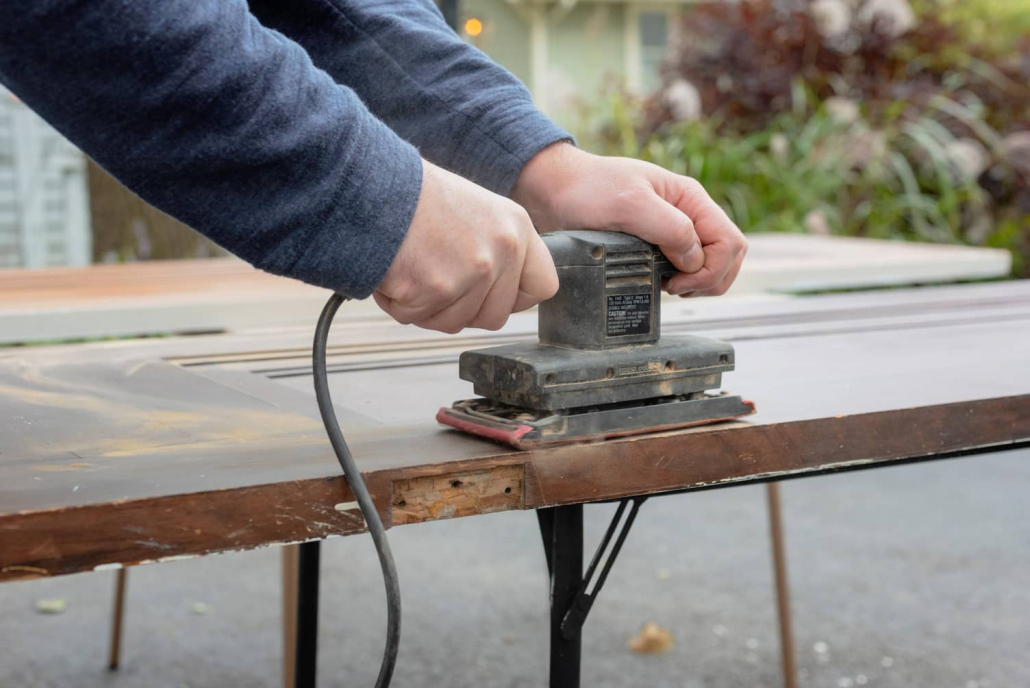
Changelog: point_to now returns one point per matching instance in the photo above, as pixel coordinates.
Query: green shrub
(997, 24)
(819, 174)
(922, 134)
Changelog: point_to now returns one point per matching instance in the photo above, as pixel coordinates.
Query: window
(653, 27)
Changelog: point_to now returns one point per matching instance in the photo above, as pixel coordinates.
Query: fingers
(524, 301)
(724, 244)
(718, 261)
(539, 279)
(724, 285)
(458, 315)
(519, 275)
(654, 219)
(422, 305)
(499, 302)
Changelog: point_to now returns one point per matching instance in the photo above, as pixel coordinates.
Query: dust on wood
(432, 498)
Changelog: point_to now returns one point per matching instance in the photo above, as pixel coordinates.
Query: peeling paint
(108, 567)
(25, 569)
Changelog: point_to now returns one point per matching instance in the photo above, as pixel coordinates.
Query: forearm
(223, 124)
(463, 111)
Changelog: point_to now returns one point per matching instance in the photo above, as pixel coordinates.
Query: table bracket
(571, 593)
(572, 624)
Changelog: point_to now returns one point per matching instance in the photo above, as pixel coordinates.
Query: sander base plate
(524, 428)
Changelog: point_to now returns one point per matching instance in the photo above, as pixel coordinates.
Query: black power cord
(353, 477)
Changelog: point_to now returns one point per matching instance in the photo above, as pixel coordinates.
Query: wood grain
(117, 454)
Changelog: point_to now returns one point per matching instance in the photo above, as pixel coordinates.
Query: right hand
(471, 258)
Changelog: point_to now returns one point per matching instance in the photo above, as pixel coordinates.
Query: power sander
(601, 368)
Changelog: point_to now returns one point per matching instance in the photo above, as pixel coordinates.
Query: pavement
(909, 577)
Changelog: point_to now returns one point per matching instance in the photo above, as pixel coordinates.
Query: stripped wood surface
(187, 296)
(127, 452)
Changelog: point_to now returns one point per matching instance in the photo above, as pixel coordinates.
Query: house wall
(584, 47)
(587, 48)
(505, 36)
(44, 208)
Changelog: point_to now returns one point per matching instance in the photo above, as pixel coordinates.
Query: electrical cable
(353, 477)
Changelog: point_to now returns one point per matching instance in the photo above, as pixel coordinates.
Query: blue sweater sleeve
(224, 124)
(462, 110)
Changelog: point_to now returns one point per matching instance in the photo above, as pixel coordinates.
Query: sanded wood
(226, 294)
(130, 453)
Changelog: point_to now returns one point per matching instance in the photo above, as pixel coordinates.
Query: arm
(472, 116)
(228, 126)
(223, 124)
(463, 111)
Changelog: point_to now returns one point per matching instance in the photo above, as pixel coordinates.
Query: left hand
(563, 187)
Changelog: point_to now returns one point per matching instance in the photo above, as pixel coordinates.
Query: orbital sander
(601, 368)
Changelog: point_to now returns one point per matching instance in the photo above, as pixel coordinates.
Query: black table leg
(562, 528)
(307, 615)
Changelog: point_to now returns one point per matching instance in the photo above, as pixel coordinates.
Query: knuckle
(508, 243)
(693, 186)
(403, 292)
(631, 200)
(682, 232)
(706, 283)
(550, 289)
(482, 264)
(402, 319)
(438, 288)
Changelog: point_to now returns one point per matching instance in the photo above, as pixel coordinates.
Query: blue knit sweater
(288, 132)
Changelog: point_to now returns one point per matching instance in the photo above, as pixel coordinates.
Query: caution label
(629, 314)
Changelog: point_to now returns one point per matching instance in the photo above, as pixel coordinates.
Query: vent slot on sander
(622, 269)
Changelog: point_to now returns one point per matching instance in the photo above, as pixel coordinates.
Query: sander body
(601, 368)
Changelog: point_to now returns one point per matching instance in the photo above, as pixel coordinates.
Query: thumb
(656, 220)
(539, 279)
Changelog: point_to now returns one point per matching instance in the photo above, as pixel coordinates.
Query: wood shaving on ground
(652, 640)
(200, 608)
(51, 606)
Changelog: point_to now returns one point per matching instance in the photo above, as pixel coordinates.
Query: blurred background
(898, 119)
(885, 118)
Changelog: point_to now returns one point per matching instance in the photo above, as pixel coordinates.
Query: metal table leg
(573, 592)
(306, 656)
(562, 528)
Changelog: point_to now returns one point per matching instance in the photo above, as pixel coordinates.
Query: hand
(564, 188)
(470, 259)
